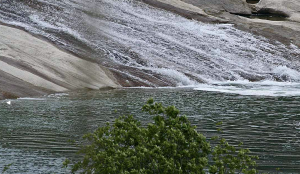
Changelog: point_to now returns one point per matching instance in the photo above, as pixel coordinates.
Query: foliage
(228, 159)
(6, 167)
(169, 145)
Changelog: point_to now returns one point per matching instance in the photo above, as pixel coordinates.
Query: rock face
(184, 9)
(224, 11)
(202, 10)
(290, 8)
(207, 6)
(217, 6)
(30, 66)
(286, 31)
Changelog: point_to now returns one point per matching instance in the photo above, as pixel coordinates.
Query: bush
(6, 167)
(169, 145)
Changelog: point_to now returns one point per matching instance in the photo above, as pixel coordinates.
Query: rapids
(145, 46)
(211, 72)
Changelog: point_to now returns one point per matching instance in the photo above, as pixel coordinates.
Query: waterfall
(145, 46)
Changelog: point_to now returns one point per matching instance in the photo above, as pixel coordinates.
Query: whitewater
(211, 72)
(145, 46)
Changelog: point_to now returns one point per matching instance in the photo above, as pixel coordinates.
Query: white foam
(29, 98)
(174, 46)
(57, 26)
(297, 125)
(180, 78)
(36, 19)
(264, 88)
(287, 73)
(185, 51)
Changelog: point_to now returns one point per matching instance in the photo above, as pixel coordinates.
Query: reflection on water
(34, 133)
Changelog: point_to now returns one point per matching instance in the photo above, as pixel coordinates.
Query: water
(219, 73)
(35, 132)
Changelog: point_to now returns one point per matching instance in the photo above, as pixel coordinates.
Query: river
(35, 131)
(211, 72)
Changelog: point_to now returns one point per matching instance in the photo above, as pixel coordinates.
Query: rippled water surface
(34, 133)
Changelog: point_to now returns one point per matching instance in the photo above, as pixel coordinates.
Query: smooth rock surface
(202, 10)
(30, 66)
(224, 11)
(290, 8)
(185, 9)
(217, 6)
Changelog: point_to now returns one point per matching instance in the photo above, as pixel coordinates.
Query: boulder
(288, 8)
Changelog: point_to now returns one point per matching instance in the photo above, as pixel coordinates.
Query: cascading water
(145, 46)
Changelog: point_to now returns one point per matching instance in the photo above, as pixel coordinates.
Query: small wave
(57, 95)
(29, 98)
(60, 94)
(180, 78)
(287, 74)
(297, 126)
(264, 88)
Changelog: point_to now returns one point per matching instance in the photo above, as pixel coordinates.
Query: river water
(35, 131)
(218, 72)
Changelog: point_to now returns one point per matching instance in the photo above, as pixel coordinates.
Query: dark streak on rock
(25, 67)
(12, 87)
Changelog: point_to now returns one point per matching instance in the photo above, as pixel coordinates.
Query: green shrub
(6, 167)
(169, 145)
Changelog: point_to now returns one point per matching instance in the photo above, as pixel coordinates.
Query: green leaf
(171, 144)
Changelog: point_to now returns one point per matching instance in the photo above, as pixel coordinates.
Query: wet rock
(186, 10)
(286, 31)
(202, 10)
(217, 6)
(289, 8)
(227, 11)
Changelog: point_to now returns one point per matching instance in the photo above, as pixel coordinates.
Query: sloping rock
(289, 8)
(224, 11)
(30, 66)
(202, 10)
(217, 6)
(12, 87)
(184, 9)
(286, 32)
